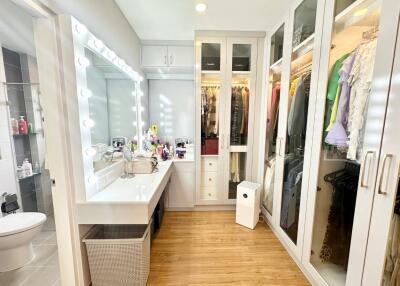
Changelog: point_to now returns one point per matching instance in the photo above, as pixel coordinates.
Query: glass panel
(304, 21)
(391, 270)
(301, 65)
(351, 63)
(276, 51)
(237, 172)
(241, 57)
(275, 75)
(210, 57)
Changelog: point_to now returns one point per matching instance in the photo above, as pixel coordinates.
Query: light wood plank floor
(208, 248)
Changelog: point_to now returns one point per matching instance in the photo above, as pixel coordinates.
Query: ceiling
(177, 19)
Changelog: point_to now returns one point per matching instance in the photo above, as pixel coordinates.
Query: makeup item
(14, 126)
(20, 172)
(36, 168)
(22, 125)
(27, 167)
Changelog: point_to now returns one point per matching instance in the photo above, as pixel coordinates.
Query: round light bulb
(89, 123)
(98, 44)
(92, 180)
(80, 29)
(201, 7)
(140, 93)
(84, 62)
(86, 93)
(91, 151)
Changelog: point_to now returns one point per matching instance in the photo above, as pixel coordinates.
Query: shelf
(304, 47)
(241, 72)
(277, 66)
(238, 149)
(209, 156)
(356, 12)
(210, 72)
(23, 135)
(33, 175)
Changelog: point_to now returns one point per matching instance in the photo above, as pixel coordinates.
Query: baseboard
(204, 208)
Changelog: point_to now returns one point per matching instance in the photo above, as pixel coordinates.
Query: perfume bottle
(22, 125)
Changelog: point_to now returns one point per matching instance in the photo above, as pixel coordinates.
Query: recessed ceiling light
(201, 7)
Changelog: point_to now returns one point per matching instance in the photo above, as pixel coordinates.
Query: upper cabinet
(163, 59)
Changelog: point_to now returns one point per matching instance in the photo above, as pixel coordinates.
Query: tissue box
(140, 166)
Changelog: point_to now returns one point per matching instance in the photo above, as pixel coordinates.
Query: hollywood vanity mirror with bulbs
(107, 106)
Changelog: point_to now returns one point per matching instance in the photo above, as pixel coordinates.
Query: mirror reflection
(112, 109)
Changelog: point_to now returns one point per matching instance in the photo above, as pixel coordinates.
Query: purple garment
(337, 135)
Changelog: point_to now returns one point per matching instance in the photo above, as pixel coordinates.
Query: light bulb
(92, 180)
(134, 109)
(98, 44)
(84, 62)
(134, 93)
(80, 29)
(90, 151)
(134, 123)
(140, 93)
(89, 123)
(140, 78)
(201, 7)
(86, 93)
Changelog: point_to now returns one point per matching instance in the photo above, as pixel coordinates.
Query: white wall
(16, 28)
(172, 108)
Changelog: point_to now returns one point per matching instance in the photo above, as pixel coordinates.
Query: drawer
(208, 194)
(209, 164)
(209, 179)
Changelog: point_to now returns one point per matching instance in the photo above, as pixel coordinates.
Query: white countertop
(137, 190)
(126, 201)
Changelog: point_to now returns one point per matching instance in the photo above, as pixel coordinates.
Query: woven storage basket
(119, 255)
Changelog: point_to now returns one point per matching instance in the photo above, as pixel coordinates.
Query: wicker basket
(119, 255)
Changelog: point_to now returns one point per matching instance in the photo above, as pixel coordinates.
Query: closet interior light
(360, 12)
(90, 151)
(84, 62)
(92, 180)
(201, 7)
(89, 123)
(86, 93)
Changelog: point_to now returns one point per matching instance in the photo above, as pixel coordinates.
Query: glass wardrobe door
(239, 114)
(210, 119)
(351, 62)
(300, 79)
(274, 80)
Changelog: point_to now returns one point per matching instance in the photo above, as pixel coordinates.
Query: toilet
(16, 234)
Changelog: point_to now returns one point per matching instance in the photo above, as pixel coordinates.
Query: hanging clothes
(245, 117)
(338, 134)
(209, 111)
(336, 244)
(236, 115)
(361, 81)
(269, 180)
(234, 167)
(273, 107)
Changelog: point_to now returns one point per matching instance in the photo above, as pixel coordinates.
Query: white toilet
(16, 234)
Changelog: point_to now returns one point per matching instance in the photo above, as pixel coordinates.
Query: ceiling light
(360, 12)
(201, 7)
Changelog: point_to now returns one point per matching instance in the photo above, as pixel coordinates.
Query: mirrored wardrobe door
(272, 119)
(242, 67)
(345, 151)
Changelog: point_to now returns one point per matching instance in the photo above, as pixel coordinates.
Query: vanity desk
(127, 201)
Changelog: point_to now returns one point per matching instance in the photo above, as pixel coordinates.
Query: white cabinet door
(182, 187)
(180, 56)
(154, 56)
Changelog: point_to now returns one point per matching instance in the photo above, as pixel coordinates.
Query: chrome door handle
(170, 59)
(365, 185)
(280, 146)
(223, 141)
(165, 60)
(387, 156)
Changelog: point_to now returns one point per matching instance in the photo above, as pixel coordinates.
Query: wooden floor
(208, 248)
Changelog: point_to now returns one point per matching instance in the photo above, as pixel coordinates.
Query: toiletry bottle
(30, 128)
(14, 126)
(22, 125)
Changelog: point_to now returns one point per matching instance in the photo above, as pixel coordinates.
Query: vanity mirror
(108, 93)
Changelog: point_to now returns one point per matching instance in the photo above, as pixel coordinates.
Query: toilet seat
(20, 222)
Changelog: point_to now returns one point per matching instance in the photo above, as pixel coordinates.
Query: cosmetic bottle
(22, 125)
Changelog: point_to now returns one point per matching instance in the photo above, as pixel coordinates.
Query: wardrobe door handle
(223, 141)
(165, 60)
(280, 146)
(365, 185)
(387, 156)
(170, 59)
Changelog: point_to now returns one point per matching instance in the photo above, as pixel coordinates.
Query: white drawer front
(209, 164)
(208, 194)
(209, 179)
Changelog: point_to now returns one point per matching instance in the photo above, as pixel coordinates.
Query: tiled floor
(43, 270)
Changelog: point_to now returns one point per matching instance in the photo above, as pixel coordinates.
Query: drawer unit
(209, 164)
(209, 179)
(208, 193)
